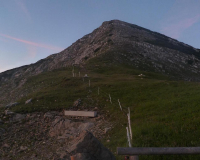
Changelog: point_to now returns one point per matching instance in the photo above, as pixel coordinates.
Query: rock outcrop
(87, 147)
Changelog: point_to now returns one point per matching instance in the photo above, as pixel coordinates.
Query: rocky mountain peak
(124, 43)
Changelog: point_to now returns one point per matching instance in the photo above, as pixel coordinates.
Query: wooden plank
(158, 150)
(81, 113)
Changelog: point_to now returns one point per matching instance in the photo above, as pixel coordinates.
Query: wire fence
(113, 100)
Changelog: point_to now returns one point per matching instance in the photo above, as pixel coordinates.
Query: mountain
(114, 42)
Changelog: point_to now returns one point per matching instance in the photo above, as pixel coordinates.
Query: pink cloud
(182, 15)
(33, 43)
(174, 30)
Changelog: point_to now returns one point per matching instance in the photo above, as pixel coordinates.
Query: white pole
(129, 122)
(110, 99)
(120, 105)
(128, 137)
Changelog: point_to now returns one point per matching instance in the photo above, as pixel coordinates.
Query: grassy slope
(164, 113)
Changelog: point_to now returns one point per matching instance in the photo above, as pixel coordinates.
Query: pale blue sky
(33, 29)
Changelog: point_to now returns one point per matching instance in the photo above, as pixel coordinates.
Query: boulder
(7, 112)
(65, 128)
(11, 105)
(107, 129)
(87, 147)
(77, 103)
(28, 101)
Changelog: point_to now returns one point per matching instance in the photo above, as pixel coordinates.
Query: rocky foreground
(51, 135)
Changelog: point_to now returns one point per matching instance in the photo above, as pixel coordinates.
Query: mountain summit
(121, 43)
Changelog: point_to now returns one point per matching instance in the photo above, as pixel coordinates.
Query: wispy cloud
(174, 30)
(182, 15)
(33, 43)
(23, 8)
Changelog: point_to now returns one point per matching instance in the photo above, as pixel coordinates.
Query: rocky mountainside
(119, 41)
(52, 135)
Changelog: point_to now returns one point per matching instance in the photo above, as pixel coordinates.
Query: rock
(77, 103)
(51, 114)
(28, 101)
(106, 130)
(86, 145)
(6, 145)
(7, 112)
(141, 75)
(82, 156)
(11, 105)
(65, 128)
(23, 148)
(63, 155)
(18, 117)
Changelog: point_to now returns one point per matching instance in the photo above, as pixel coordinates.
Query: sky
(31, 30)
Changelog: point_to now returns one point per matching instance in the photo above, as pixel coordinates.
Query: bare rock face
(87, 147)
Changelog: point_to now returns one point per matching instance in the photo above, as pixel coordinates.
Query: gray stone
(51, 114)
(7, 112)
(11, 105)
(107, 129)
(28, 101)
(77, 103)
(6, 145)
(23, 148)
(88, 146)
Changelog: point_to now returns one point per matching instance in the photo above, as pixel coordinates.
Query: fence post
(129, 122)
(128, 137)
(120, 105)
(129, 143)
